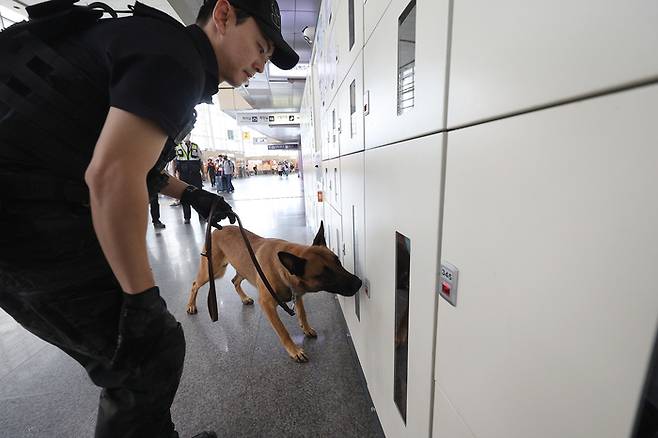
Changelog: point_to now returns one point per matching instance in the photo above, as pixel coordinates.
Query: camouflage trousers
(55, 282)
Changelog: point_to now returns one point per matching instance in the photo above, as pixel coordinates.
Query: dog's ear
(295, 265)
(319, 238)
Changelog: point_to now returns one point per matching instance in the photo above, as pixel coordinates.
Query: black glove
(202, 201)
(143, 320)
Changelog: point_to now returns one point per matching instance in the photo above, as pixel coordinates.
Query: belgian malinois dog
(291, 269)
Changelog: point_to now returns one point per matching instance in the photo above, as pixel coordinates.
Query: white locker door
(348, 35)
(353, 257)
(331, 183)
(325, 136)
(404, 66)
(350, 97)
(321, 81)
(340, 31)
(323, 25)
(550, 218)
(333, 128)
(325, 182)
(333, 227)
(332, 60)
(319, 217)
(316, 82)
(509, 56)
(328, 218)
(372, 12)
(402, 196)
(334, 184)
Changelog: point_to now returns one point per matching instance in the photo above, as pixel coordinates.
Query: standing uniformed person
(90, 110)
(189, 166)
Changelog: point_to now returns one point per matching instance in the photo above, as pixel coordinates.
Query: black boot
(158, 225)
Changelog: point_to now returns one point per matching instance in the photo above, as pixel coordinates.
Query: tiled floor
(238, 379)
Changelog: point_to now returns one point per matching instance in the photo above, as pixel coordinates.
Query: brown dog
(291, 269)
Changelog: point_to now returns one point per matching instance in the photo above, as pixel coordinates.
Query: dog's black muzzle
(350, 287)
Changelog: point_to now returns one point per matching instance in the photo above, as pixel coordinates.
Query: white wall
(212, 126)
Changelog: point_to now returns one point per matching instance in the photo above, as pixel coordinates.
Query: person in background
(210, 165)
(221, 181)
(155, 213)
(229, 168)
(190, 170)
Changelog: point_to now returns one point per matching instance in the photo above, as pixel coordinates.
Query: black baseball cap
(267, 15)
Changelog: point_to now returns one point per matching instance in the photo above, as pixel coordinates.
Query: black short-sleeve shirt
(156, 69)
(147, 64)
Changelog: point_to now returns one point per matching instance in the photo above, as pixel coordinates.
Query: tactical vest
(45, 96)
(185, 153)
(188, 162)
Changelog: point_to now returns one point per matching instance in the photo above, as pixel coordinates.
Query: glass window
(333, 126)
(351, 18)
(230, 134)
(406, 57)
(353, 109)
(401, 338)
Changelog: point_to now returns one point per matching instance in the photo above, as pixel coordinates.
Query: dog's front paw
(298, 354)
(248, 301)
(191, 309)
(310, 332)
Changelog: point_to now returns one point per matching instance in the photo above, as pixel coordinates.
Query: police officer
(89, 111)
(189, 168)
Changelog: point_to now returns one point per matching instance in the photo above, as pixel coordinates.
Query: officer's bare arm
(126, 149)
(174, 187)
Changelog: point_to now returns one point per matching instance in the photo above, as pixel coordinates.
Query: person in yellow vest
(189, 167)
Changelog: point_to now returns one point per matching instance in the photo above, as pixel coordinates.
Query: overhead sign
(268, 119)
(282, 146)
(300, 71)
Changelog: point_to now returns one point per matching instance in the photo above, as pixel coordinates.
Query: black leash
(212, 293)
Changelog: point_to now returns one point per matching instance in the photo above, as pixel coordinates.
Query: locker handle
(366, 103)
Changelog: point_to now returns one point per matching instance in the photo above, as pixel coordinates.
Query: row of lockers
(547, 214)
(504, 58)
(546, 246)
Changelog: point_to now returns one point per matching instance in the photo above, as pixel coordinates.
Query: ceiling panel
(287, 22)
(305, 18)
(286, 5)
(307, 5)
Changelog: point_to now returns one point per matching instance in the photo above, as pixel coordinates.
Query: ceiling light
(300, 71)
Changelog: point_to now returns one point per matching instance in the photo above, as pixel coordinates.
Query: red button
(445, 288)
